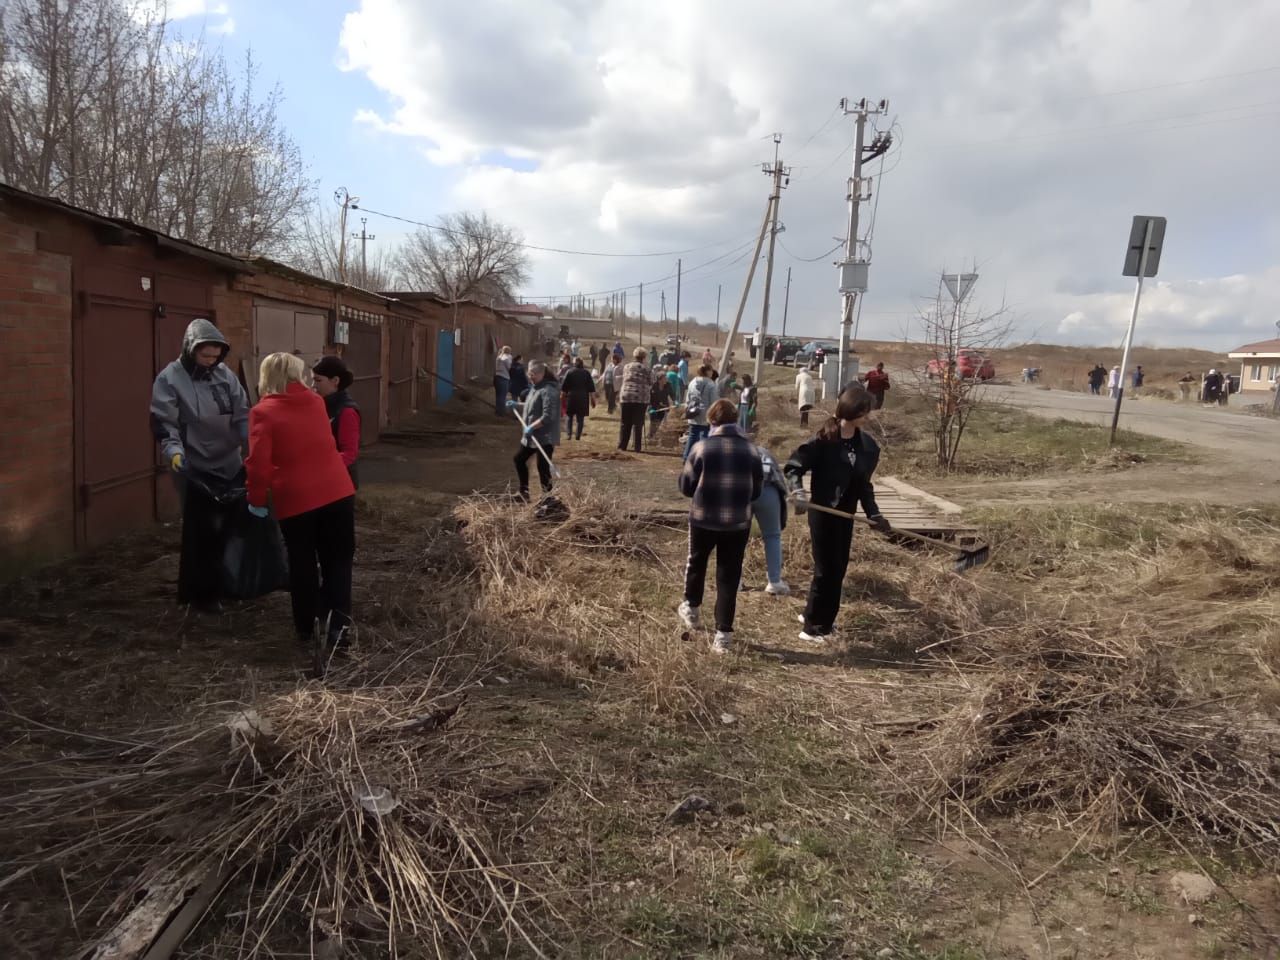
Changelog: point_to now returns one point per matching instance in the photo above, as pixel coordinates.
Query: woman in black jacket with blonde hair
(840, 460)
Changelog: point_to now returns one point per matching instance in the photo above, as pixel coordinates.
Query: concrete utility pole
(777, 171)
(853, 268)
(347, 202)
(679, 267)
(641, 324)
(364, 237)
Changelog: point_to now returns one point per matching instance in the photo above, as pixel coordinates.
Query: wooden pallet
(910, 508)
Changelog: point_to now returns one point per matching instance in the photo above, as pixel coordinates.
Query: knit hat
(334, 368)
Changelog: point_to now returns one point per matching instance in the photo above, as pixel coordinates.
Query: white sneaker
(723, 642)
(691, 617)
(778, 589)
(817, 638)
(800, 619)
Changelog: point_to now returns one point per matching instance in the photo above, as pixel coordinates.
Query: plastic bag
(253, 557)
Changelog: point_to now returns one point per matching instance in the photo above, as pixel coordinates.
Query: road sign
(959, 284)
(1136, 235)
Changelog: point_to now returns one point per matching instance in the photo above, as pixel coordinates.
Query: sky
(1026, 137)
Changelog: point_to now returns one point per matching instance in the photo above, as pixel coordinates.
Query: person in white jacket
(1113, 383)
(806, 394)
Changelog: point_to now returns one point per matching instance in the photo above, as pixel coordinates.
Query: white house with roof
(1259, 365)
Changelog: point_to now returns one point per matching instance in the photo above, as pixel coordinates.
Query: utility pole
(786, 302)
(719, 286)
(663, 321)
(641, 325)
(777, 171)
(346, 201)
(746, 287)
(364, 237)
(853, 268)
(678, 272)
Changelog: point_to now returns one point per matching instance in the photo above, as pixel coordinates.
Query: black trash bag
(254, 562)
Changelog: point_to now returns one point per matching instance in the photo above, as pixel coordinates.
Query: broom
(555, 471)
(966, 557)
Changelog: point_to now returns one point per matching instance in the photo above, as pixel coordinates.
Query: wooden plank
(907, 490)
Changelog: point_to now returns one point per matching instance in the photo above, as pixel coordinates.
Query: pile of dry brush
(1087, 714)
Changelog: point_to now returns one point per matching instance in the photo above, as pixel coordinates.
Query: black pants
(655, 423)
(830, 539)
(321, 544)
(580, 418)
(610, 395)
(879, 396)
(544, 468)
(632, 422)
(804, 418)
(730, 546)
(204, 524)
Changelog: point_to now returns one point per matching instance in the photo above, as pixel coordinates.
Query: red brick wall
(37, 478)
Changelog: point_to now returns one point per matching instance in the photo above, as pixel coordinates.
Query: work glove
(879, 524)
(259, 512)
(177, 463)
(511, 404)
(800, 500)
(528, 429)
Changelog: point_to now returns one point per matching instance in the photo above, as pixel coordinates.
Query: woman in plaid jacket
(723, 476)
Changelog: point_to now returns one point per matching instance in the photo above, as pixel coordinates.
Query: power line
(821, 256)
(534, 246)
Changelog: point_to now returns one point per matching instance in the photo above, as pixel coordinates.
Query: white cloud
(226, 27)
(1030, 133)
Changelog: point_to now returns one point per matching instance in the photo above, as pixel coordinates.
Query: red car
(970, 364)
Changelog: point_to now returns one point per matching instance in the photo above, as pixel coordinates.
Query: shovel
(966, 558)
(555, 471)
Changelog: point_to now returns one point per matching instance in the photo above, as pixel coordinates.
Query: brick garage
(36, 470)
(92, 308)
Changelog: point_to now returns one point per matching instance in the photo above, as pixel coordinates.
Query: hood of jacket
(200, 332)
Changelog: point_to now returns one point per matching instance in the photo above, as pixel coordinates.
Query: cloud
(1028, 135)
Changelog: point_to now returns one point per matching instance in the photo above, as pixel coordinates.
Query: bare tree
(467, 256)
(101, 108)
(957, 338)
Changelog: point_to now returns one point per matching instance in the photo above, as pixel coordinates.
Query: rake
(966, 557)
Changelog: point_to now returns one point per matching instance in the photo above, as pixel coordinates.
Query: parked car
(673, 340)
(785, 349)
(970, 364)
(805, 355)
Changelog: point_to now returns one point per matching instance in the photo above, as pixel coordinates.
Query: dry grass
(590, 598)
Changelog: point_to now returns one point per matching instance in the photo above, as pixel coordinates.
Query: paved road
(1250, 441)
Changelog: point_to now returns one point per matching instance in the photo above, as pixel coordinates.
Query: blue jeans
(696, 432)
(500, 387)
(768, 513)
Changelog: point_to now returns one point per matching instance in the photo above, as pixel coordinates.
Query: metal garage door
(363, 353)
(444, 366)
(281, 328)
(400, 387)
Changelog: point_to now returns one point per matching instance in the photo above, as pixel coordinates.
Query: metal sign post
(1146, 240)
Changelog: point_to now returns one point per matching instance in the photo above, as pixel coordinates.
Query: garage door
(400, 387)
(363, 353)
(281, 328)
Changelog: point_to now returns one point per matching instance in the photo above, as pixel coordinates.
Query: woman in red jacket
(293, 457)
(332, 379)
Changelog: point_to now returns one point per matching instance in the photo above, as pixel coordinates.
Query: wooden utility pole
(641, 326)
(746, 287)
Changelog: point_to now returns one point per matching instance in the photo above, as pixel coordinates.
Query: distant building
(586, 329)
(1259, 364)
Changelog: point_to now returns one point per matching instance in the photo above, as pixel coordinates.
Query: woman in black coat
(580, 390)
(840, 461)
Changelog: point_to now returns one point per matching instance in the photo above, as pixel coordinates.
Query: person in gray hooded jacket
(541, 416)
(200, 418)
